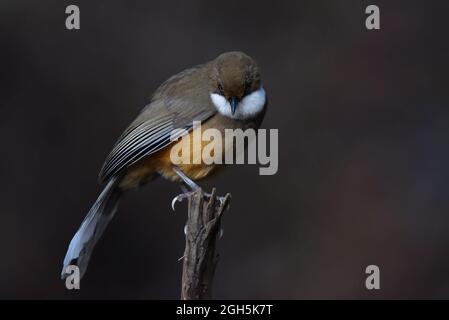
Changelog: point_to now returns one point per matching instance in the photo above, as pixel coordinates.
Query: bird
(224, 93)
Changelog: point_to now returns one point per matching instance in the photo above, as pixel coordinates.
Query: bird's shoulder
(190, 83)
(184, 94)
(176, 104)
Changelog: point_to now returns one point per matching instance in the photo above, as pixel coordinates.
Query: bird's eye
(220, 89)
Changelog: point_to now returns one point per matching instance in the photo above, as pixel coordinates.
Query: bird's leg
(185, 194)
(186, 179)
(187, 183)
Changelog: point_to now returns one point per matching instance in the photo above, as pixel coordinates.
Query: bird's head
(237, 90)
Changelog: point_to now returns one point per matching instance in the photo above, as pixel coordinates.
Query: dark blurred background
(363, 125)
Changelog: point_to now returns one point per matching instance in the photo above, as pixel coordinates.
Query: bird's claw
(173, 202)
(220, 199)
(179, 198)
(185, 195)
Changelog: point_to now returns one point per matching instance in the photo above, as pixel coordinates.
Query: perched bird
(225, 93)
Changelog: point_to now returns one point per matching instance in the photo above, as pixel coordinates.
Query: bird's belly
(199, 162)
(196, 158)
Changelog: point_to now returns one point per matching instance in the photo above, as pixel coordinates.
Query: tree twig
(200, 257)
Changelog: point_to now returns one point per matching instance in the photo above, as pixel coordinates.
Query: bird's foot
(220, 199)
(180, 197)
(187, 194)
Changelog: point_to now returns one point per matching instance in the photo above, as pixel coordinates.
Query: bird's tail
(92, 228)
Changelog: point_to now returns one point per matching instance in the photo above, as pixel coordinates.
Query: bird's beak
(234, 102)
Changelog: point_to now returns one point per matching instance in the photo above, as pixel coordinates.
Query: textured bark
(200, 257)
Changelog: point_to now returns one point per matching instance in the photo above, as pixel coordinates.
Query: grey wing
(151, 132)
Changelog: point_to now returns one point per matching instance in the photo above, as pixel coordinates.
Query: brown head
(235, 78)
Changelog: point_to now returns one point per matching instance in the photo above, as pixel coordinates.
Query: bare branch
(200, 258)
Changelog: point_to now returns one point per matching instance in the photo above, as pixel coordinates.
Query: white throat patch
(248, 108)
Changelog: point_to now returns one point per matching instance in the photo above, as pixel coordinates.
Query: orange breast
(161, 162)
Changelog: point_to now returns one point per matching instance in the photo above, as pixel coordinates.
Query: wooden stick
(200, 258)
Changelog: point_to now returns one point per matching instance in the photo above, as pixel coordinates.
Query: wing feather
(151, 130)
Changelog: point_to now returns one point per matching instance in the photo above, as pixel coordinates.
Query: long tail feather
(92, 228)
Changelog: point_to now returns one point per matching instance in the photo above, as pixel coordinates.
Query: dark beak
(234, 102)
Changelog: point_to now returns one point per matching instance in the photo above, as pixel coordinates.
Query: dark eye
(220, 89)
